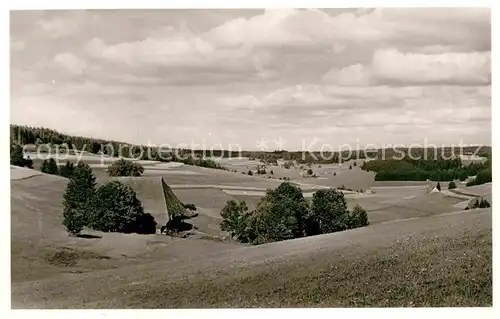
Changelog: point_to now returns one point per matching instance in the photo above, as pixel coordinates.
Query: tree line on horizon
(408, 169)
(23, 135)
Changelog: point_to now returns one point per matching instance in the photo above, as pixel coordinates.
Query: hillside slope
(41, 247)
(437, 260)
(443, 260)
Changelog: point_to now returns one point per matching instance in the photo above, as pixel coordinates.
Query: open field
(259, 122)
(418, 248)
(354, 178)
(437, 261)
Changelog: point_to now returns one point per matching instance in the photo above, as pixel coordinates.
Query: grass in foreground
(446, 273)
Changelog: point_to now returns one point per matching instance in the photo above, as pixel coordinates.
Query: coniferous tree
(52, 167)
(79, 199)
(43, 167)
(67, 170)
(16, 155)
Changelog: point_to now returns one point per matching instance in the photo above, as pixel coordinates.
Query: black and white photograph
(194, 158)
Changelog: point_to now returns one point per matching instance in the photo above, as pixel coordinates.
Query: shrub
(483, 203)
(476, 204)
(124, 167)
(357, 218)
(261, 170)
(284, 213)
(309, 171)
(67, 170)
(50, 167)
(117, 209)
(271, 172)
(79, 199)
(452, 185)
(28, 162)
(281, 214)
(482, 177)
(233, 220)
(350, 166)
(250, 172)
(334, 174)
(328, 212)
(17, 157)
(43, 167)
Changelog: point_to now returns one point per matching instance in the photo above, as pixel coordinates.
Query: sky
(256, 79)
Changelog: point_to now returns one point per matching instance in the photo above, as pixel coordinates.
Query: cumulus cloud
(277, 32)
(299, 73)
(71, 63)
(58, 27)
(395, 67)
(353, 75)
(450, 68)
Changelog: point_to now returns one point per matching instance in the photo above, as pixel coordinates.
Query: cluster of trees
(202, 162)
(483, 203)
(113, 207)
(17, 156)
(284, 213)
(261, 170)
(421, 170)
(344, 156)
(482, 177)
(23, 135)
(124, 167)
(36, 135)
(39, 135)
(50, 167)
(288, 164)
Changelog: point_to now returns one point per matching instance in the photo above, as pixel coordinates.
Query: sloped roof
(174, 206)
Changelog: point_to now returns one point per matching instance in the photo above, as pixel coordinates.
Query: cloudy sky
(381, 76)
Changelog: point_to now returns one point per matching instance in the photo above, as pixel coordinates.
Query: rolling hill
(437, 260)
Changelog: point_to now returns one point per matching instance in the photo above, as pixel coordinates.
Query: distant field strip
(401, 220)
(244, 190)
(255, 193)
(457, 195)
(396, 187)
